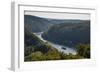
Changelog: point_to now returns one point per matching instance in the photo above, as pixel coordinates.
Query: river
(60, 48)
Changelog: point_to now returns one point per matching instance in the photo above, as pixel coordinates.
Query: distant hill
(36, 24)
(65, 32)
(39, 24)
(69, 34)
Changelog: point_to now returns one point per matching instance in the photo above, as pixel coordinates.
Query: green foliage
(70, 56)
(53, 54)
(84, 50)
(37, 50)
(47, 52)
(28, 50)
(37, 56)
(63, 33)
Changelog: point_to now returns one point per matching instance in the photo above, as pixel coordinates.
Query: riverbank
(60, 48)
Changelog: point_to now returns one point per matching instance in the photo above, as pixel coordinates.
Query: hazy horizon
(53, 15)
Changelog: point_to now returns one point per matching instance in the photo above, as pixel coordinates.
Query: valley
(66, 49)
(55, 39)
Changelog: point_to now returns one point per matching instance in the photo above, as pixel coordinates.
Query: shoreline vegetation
(42, 51)
(62, 39)
(60, 48)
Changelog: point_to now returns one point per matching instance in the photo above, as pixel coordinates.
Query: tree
(84, 50)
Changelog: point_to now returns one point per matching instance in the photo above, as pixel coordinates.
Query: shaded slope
(69, 34)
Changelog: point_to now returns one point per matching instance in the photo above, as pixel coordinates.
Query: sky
(59, 15)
